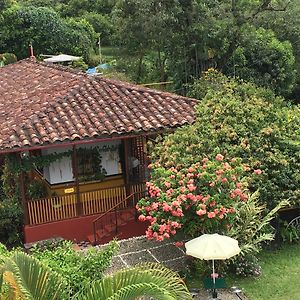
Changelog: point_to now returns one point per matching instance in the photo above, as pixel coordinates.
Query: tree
(145, 26)
(102, 25)
(264, 60)
(286, 26)
(209, 37)
(44, 28)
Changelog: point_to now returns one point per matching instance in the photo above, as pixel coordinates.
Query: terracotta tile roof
(44, 104)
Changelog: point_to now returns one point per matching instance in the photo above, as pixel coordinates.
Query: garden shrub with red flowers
(202, 198)
(230, 171)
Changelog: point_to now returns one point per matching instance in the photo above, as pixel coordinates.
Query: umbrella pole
(214, 279)
(214, 293)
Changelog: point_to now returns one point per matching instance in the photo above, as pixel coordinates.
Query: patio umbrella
(212, 247)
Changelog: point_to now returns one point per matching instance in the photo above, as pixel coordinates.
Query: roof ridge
(140, 88)
(128, 85)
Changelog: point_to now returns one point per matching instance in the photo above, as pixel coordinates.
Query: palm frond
(28, 277)
(143, 280)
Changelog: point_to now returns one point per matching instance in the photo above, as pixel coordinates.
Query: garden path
(139, 249)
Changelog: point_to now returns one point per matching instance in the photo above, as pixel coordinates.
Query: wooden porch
(73, 205)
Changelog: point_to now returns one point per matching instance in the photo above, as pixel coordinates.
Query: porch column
(23, 193)
(126, 156)
(75, 175)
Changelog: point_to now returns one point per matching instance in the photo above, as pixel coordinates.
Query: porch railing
(58, 208)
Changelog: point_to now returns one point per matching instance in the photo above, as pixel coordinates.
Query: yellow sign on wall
(69, 190)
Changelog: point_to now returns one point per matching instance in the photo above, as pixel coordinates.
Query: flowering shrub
(202, 198)
(238, 119)
(247, 266)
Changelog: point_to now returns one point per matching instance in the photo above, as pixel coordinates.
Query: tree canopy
(174, 40)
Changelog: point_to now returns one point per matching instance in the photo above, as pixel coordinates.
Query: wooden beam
(76, 181)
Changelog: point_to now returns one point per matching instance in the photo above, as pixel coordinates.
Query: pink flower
(142, 218)
(160, 238)
(204, 199)
(175, 224)
(244, 197)
(224, 180)
(246, 168)
(258, 171)
(221, 216)
(237, 191)
(214, 275)
(199, 197)
(212, 184)
(211, 215)
(219, 157)
(179, 244)
(191, 170)
(205, 159)
(191, 187)
(182, 189)
(201, 212)
(169, 192)
(154, 205)
(175, 203)
(219, 172)
(167, 184)
(227, 166)
(166, 207)
(213, 203)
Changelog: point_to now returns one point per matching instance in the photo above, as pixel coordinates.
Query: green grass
(280, 276)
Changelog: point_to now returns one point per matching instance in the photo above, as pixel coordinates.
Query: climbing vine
(29, 163)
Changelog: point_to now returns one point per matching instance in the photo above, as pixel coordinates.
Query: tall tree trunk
(140, 63)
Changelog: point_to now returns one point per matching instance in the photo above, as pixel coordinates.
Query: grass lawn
(280, 279)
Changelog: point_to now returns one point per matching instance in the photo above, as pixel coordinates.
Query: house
(87, 137)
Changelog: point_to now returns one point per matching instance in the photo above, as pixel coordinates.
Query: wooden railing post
(75, 175)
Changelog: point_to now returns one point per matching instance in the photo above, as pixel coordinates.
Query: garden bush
(11, 219)
(76, 267)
